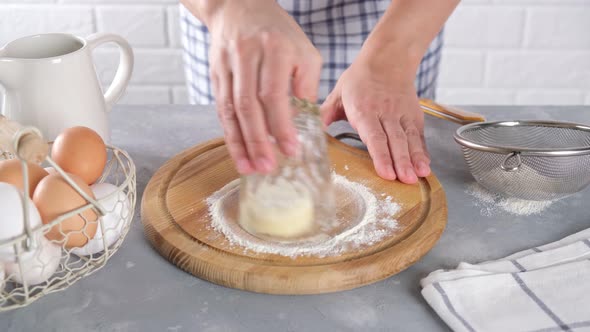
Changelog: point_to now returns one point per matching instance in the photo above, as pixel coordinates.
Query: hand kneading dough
(281, 209)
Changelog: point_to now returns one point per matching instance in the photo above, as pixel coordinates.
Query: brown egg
(81, 151)
(11, 172)
(55, 197)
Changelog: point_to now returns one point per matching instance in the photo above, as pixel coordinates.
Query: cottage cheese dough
(280, 208)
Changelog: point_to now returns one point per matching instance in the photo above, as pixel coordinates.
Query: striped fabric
(542, 289)
(337, 28)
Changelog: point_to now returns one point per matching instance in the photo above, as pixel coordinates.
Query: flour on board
(377, 223)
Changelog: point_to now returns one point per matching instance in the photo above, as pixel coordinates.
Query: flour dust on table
(375, 221)
(492, 203)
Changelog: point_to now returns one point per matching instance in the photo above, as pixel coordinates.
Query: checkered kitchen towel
(337, 28)
(542, 289)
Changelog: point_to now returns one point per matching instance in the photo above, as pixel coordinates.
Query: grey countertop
(140, 291)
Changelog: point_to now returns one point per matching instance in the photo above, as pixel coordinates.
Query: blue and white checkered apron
(337, 28)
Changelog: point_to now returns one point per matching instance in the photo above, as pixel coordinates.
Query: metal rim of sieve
(507, 150)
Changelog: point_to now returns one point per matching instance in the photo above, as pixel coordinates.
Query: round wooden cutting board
(176, 221)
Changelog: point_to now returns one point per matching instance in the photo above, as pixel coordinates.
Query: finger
(414, 131)
(273, 92)
(328, 109)
(245, 63)
(425, 148)
(222, 85)
(332, 110)
(371, 132)
(418, 155)
(398, 145)
(306, 78)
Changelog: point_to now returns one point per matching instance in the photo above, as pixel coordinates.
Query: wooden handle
(31, 146)
(449, 113)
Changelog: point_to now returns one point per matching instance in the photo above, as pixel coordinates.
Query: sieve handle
(514, 168)
(449, 113)
(24, 142)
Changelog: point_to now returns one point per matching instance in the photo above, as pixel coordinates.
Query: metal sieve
(531, 160)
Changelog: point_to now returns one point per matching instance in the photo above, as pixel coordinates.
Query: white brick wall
(497, 52)
(517, 52)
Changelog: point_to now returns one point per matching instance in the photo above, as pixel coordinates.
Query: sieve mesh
(554, 157)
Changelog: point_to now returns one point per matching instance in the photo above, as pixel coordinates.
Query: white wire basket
(39, 265)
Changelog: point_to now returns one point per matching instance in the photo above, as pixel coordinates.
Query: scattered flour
(491, 202)
(346, 167)
(377, 223)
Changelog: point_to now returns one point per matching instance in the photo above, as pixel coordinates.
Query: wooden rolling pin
(449, 113)
(24, 142)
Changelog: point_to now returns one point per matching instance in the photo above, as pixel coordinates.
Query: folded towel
(545, 289)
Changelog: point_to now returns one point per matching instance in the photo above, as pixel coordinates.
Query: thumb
(306, 81)
(328, 110)
(332, 110)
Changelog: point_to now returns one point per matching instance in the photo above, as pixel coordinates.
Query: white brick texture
(162, 66)
(6, 2)
(477, 96)
(470, 65)
(533, 52)
(539, 69)
(550, 97)
(482, 26)
(554, 28)
(173, 26)
(180, 95)
(141, 26)
(22, 20)
(497, 51)
(118, 2)
(146, 95)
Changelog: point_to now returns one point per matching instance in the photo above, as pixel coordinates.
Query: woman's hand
(377, 92)
(381, 104)
(259, 55)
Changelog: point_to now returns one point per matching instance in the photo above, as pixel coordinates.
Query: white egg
(2, 276)
(111, 224)
(12, 220)
(39, 267)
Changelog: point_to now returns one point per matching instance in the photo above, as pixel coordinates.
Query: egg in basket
(65, 208)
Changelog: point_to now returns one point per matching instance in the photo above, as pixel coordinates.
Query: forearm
(204, 10)
(207, 10)
(405, 31)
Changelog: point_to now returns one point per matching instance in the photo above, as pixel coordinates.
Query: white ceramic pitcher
(51, 83)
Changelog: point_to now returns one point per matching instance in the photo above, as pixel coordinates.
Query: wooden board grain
(176, 222)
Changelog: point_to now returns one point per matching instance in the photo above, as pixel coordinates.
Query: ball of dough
(280, 209)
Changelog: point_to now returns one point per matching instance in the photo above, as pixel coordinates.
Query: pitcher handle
(123, 75)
